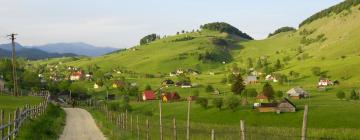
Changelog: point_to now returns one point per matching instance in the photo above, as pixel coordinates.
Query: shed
(267, 107)
(251, 80)
(297, 93)
(286, 106)
(149, 95)
(168, 97)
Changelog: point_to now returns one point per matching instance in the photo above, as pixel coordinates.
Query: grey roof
(297, 91)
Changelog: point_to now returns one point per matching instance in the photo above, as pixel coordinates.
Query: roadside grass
(47, 127)
(10, 103)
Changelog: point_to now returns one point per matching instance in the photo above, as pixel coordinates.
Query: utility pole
(12, 37)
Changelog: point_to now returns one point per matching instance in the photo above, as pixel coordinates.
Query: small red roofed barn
(168, 97)
(149, 95)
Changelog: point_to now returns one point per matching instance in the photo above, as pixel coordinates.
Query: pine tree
(238, 85)
(268, 91)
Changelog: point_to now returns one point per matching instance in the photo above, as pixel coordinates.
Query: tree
(195, 93)
(316, 71)
(209, 89)
(147, 87)
(226, 28)
(203, 102)
(278, 64)
(238, 85)
(232, 103)
(218, 103)
(147, 39)
(268, 91)
(250, 92)
(183, 78)
(282, 29)
(340, 94)
(354, 95)
(279, 94)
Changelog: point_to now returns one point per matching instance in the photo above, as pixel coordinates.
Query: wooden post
(123, 120)
(2, 122)
(160, 120)
(188, 122)
(212, 134)
(9, 127)
(16, 114)
(131, 124)
(174, 127)
(242, 129)
(304, 125)
(126, 119)
(147, 129)
(137, 127)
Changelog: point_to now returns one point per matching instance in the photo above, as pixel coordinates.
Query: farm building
(262, 98)
(2, 85)
(267, 107)
(149, 95)
(271, 78)
(286, 106)
(251, 80)
(168, 82)
(96, 86)
(75, 76)
(325, 82)
(168, 97)
(186, 85)
(297, 93)
(172, 74)
(118, 84)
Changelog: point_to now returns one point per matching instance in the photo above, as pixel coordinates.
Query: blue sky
(121, 23)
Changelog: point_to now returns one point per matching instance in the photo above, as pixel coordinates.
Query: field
(10, 103)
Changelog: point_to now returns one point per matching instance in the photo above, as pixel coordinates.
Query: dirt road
(80, 126)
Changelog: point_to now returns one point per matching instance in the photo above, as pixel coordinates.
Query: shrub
(148, 87)
(209, 88)
(195, 93)
(203, 102)
(218, 103)
(232, 103)
(354, 95)
(340, 94)
(251, 92)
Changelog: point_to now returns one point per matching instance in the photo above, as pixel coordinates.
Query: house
(261, 98)
(186, 85)
(149, 95)
(168, 97)
(75, 76)
(2, 85)
(96, 86)
(118, 84)
(168, 82)
(251, 80)
(256, 73)
(297, 93)
(325, 82)
(267, 107)
(89, 76)
(286, 106)
(271, 78)
(216, 92)
(172, 74)
(179, 71)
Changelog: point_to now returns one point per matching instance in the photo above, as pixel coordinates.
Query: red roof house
(149, 95)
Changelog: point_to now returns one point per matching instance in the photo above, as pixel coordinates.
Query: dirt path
(80, 126)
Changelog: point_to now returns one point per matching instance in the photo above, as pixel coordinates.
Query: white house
(271, 78)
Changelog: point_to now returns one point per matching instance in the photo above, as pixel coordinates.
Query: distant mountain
(29, 53)
(76, 48)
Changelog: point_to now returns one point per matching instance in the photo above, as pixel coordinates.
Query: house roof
(149, 94)
(296, 91)
(268, 105)
(287, 101)
(119, 83)
(261, 96)
(171, 96)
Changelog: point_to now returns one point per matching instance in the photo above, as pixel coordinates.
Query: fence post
(10, 126)
(123, 121)
(16, 114)
(126, 119)
(147, 129)
(131, 124)
(160, 120)
(137, 127)
(212, 134)
(174, 127)
(242, 129)
(188, 122)
(304, 125)
(2, 122)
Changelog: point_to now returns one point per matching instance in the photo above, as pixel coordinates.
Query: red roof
(172, 96)
(262, 96)
(149, 95)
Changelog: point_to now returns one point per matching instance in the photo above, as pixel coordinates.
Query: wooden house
(75, 76)
(149, 95)
(169, 97)
(325, 82)
(286, 106)
(168, 82)
(186, 85)
(118, 84)
(297, 93)
(267, 107)
(251, 80)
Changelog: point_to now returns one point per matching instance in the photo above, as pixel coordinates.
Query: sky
(122, 23)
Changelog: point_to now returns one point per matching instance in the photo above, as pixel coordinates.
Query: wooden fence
(11, 128)
(151, 128)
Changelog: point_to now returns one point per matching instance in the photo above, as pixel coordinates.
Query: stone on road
(80, 126)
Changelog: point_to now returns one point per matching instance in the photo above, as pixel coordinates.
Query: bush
(279, 94)
(232, 103)
(209, 89)
(340, 94)
(203, 102)
(218, 103)
(251, 92)
(354, 95)
(195, 93)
